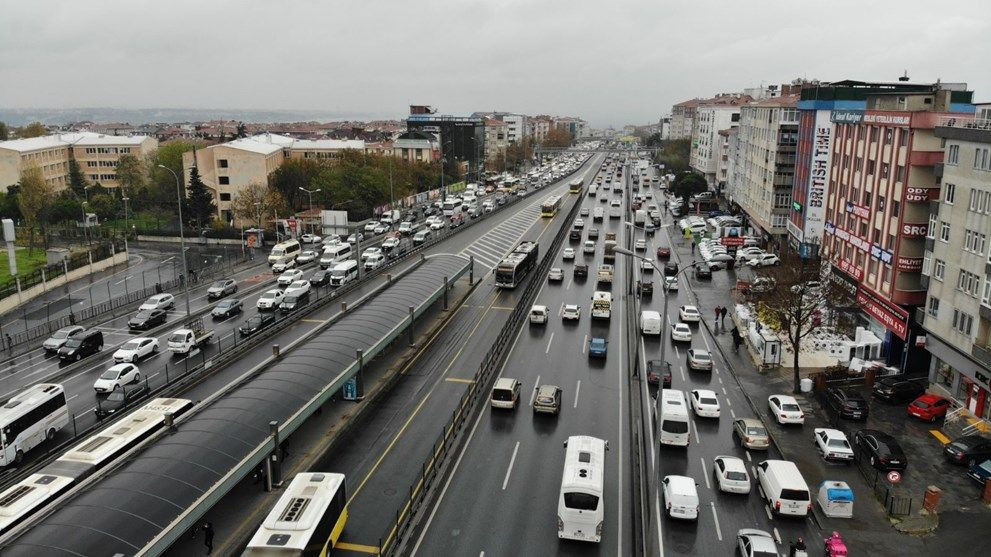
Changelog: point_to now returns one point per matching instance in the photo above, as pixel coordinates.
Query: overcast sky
(610, 62)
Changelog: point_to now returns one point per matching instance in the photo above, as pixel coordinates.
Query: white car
(832, 444)
(681, 498)
(745, 254)
(640, 245)
(374, 261)
(488, 206)
(690, 314)
(310, 239)
(390, 243)
(159, 301)
(571, 312)
(555, 274)
(270, 299)
(308, 256)
(579, 223)
(136, 349)
(731, 474)
(283, 266)
(764, 260)
(785, 409)
(370, 252)
(589, 247)
(681, 333)
(568, 254)
(538, 315)
(437, 225)
(647, 265)
(370, 227)
(381, 228)
(756, 543)
(331, 240)
(671, 283)
(116, 377)
(298, 288)
(355, 238)
(704, 403)
(290, 276)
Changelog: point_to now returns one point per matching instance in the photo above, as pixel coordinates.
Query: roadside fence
(100, 252)
(894, 502)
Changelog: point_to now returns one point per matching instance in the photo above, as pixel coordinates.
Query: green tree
(291, 175)
(77, 180)
(200, 207)
(518, 153)
(131, 176)
(675, 155)
(34, 129)
(9, 208)
(4, 131)
(35, 194)
(257, 202)
(104, 205)
(162, 193)
(686, 185)
(64, 208)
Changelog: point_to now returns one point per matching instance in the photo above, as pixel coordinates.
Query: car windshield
(110, 374)
(116, 396)
(218, 284)
(709, 401)
(290, 299)
(132, 345)
(73, 343)
(581, 501)
(254, 321)
(756, 431)
(61, 333)
(268, 295)
(143, 314)
(736, 476)
(702, 356)
(545, 399)
(502, 394)
(789, 407)
(920, 404)
(674, 426)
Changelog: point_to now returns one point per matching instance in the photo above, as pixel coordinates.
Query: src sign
(914, 230)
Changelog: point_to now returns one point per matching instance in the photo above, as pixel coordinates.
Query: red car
(929, 407)
(663, 253)
(655, 376)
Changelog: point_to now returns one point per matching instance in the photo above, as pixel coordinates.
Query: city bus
(581, 505)
(31, 416)
(306, 521)
(550, 206)
(516, 265)
(575, 186)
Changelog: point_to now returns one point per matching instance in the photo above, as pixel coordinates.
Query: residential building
(712, 115)
(683, 119)
(956, 263)
(495, 141)
(732, 153)
(574, 126)
(538, 127)
(765, 171)
(516, 124)
(416, 145)
(96, 154)
(882, 174)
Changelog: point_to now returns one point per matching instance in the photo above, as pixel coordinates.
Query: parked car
(159, 301)
(221, 288)
(547, 399)
(699, 359)
(764, 260)
(256, 323)
(147, 319)
(847, 403)
(929, 407)
(751, 433)
(968, 449)
(880, 449)
(116, 377)
(136, 349)
(731, 474)
(59, 337)
(896, 389)
(119, 400)
(227, 308)
(785, 409)
(832, 444)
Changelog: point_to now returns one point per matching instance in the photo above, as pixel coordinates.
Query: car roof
(830, 432)
(785, 398)
(681, 484)
(733, 463)
(704, 392)
(547, 389)
(929, 397)
(751, 422)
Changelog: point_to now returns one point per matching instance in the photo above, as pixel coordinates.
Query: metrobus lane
(508, 477)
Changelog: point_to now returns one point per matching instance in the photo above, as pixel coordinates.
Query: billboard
(894, 318)
(815, 203)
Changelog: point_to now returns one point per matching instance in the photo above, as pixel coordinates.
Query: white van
(592, 190)
(784, 488)
(581, 504)
(672, 418)
(601, 305)
(344, 272)
(681, 498)
(332, 255)
(285, 251)
(650, 322)
(505, 393)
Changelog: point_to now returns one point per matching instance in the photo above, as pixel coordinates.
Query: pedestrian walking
(722, 316)
(693, 247)
(208, 537)
(716, 320)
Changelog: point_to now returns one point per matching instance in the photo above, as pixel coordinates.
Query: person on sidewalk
(208, 537)
(715, 322)
(722, 316)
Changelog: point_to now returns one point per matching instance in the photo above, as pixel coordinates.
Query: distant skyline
(610, 63)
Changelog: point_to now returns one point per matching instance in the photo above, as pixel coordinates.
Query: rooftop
(67, 139)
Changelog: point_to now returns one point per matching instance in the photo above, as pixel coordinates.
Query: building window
(222, 163)
(962, 322)
(986, 293)
(885, 170)
(939, 269)
(225, 197)
(891, 241)
(871, 167)
(896, 207)
(927, 263)
(900, 173)
(949, 193)
(944, 374)
(903, 138)
(974, 242)
(889, 136)
(932, 308)
(980, 201)
(953, 155)
(982, 159)
(931, 230)
(880, 203)
(224, 180)
(886, 273)
(944, 231)
(968, 282)
(874, 133)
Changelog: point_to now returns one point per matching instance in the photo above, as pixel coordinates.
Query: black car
(294, 302)
(254, 324)
(847, 403)
(969, 450)
(81, 344)
(881, 449)
(320, 278)
(147, 318)
(656, 376)
(670, 269)
(119, 399)
(575, 234)
(581, 271)
(895, 390)
(703, 271)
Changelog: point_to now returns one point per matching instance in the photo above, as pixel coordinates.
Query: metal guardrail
(894, 504)
(75, 261)
(968, 121)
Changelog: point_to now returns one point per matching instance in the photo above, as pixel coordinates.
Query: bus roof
(584, 461)
(296, 514)
(23, 401)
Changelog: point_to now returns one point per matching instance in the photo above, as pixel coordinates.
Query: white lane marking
(533, 395)
(570, 282)
(767, 511)
(509, 470)
(706, 341)
(549, 341)
(719, 378)
(482, 554)
(697, 439)
(90, 410)
(729, 402)
(676, 351)
(682, 370)
(585, 344)
(719, 533)
(777, 535)
(128, 277)
(578, 389)
(152, 376)
(750, 459)
(732, 413)
(71, 397)
(560, 310)
(724, 391)
(705, 473)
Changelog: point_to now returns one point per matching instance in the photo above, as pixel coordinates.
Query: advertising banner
(909, 264)
(815, 203)
(894, 318)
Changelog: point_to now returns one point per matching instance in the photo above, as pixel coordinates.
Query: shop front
(959, 377)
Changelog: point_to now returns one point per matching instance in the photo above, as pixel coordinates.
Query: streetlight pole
(125, 199)
(182, 238)
(310, 194)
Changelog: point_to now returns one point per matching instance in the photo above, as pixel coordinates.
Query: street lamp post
(310, 194)
(182, 238)
(125, 199)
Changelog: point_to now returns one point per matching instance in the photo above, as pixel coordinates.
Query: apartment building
(956, 264)
(97, 156)
(765, 164)
(495, 140)
(516, 124)
(719, 113)
(683, 119)
(882, 175)
(538, 127)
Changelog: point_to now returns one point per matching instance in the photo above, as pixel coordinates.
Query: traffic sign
(732, 241)
(894, 477)
(293, 223)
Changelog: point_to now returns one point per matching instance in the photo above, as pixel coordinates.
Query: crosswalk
(489, 250)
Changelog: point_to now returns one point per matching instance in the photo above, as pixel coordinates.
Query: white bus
(450, 205)
(306, 521)
(672, 418)
(580, 507)
(30, 417)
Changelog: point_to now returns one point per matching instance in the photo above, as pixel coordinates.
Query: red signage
(732, 241)
(894, 477)
(894, 318)
(292, 223)
(909, 264)
(917, 194)
(914, 230)
(858, 210)
(851, 269)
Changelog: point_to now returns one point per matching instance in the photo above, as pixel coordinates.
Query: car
(309, 239)
(588, 247)
(227, 308)
(575, 234)
(331, 240)
(289, 277)
(421, 237)
(538, 315)
(298, 287)
(663, 252)
(306, 256)
(581, 272)
(745, 254)
(256, 323)
(640, 245)
(659, 372)
(704, 403)
(731, 474)
(615, 212)
(320, 277)
(579, 223)
(968, 449)
(571, 312)
(702, 271)
(437, 224)
(294, 301)
(671, 283)
(59, 337)
(751, 433)
(159, 301)
(119, 399)
(681, 498)
(980, 473)
(689, 314)
(568, 254)
(116, 376)
(832, 444)
(556, 274)
(583, 212)
(645, 286)
(597, 347)
(374, 261)
(369, 252)
(221, 288)
(136, 349)
(283, 266)
(880, 449)
(847, 403)
(764, 260)
(785, 409)
(370, 226)
(547, 399)
(929, 407)
(147, 319)
(680, 332)
(381, 228)
(270, 299)
(355, 238)
(896, 389)
(699, 359)
(670, 269)
(593, 233)
(756, 543)
(81, 344)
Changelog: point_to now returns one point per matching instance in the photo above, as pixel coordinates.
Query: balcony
(985, 312)
(963, 121)
(983, 354)
(925, 158)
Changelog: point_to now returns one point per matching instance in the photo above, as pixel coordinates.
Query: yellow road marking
(315, 320)
(939, 435)
(459, 380)
(372, 549)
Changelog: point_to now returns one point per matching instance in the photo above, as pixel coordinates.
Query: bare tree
(258, 199)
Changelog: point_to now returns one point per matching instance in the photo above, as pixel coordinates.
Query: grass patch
(26, 262)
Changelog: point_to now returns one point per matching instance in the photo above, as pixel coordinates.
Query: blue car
(597, 347)
(980, 472)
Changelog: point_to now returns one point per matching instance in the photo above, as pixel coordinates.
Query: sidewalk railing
(894, 503)
(10, 287)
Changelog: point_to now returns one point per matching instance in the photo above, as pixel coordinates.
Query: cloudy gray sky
(611, 62)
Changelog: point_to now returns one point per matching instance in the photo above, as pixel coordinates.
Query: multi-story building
(765, 164)
(496, 140)
(956, 263)
(715, 114)
(574, 126)
(96, 154)
(538, 127)
(416, 146)
(683, 119)
(732, 153)
(881, 177)
(462, 139)
(516, 124)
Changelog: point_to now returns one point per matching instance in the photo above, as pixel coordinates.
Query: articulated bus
(30, 417)
(580, 506)
(550, 206)
(576, 185)
(516, 265)
(306, 521)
